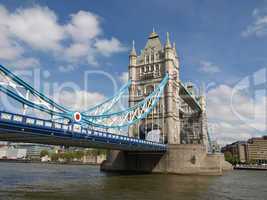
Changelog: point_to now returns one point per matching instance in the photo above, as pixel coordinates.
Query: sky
(221, 44)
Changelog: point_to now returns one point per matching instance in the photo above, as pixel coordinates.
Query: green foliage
(78, 154)
(54, 157)
(252, 162)
(44, 153)
(69, 156)
(96, 152)
(230, 158)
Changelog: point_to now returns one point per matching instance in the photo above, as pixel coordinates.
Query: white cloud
(91, 59)
(219, 103)
(259, 25)
(226, 133)
(76, 51)
(258, 28)
(124, 77)
(108, 47)
(10, 50)
(84, 26)
(36, 26)
(233, 115)
(209, 67)
(78, 40)
(79, 100)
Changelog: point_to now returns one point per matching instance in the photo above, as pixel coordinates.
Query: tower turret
(172, 93)
(133, 55)
(132, 63)
(168, 42)
(202, 103)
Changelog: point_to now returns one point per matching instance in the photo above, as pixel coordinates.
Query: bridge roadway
(21, 128)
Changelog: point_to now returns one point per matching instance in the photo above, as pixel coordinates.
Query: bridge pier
(179, 159)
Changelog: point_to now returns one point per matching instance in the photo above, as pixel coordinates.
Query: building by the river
(238, 150)
(33, 150)
(252, 151)
(12, 153)
(22, 150)
(257, 149)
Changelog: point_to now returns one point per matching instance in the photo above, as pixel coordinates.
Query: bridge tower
(180, 116)
(146, 71)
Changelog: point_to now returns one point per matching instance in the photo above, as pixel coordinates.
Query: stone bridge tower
(146, 71)
(181, 118)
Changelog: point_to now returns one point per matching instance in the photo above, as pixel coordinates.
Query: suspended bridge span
(19, 128)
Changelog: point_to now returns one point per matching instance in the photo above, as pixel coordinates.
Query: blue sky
(219, 42)
(203, 30)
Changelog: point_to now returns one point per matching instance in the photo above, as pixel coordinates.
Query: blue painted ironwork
(131, 115)
(17, 89)
(87, 130)
(104, 119)
(20, 128)
(107, 105)
(29, 88)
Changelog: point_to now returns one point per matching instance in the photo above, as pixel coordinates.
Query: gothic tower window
(152, 58)
(157, 56)
(147, 68)
(157, 68)
(147, 59)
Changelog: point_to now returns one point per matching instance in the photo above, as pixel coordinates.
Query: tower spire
(168, 42)
(133, 51)
(153, 34)
(133, 45)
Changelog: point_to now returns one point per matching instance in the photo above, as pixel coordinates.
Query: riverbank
(250, 167)
(49, 162)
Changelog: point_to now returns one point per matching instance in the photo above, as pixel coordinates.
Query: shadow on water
(43, 181)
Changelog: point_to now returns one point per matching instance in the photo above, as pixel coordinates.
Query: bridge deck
(19, 128)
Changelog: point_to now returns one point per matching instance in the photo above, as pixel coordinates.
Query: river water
(23, 181)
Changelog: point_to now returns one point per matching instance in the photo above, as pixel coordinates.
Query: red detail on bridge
(77, 116)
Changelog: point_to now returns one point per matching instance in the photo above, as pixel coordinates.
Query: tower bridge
(164, 129)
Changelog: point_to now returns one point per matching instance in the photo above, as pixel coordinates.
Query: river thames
(23, 181)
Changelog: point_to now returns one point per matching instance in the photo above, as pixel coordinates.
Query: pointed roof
(153, 42)
(133, 51)
(153, 34)
(168, 42)
(174, 48)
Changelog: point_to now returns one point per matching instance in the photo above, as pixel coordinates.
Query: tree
(44, 153)
(228, 156)
(54, 157)
(78, 154)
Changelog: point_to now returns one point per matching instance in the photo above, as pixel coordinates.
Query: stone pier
(179, 159)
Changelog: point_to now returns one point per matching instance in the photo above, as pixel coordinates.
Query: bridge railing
(71, 128)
